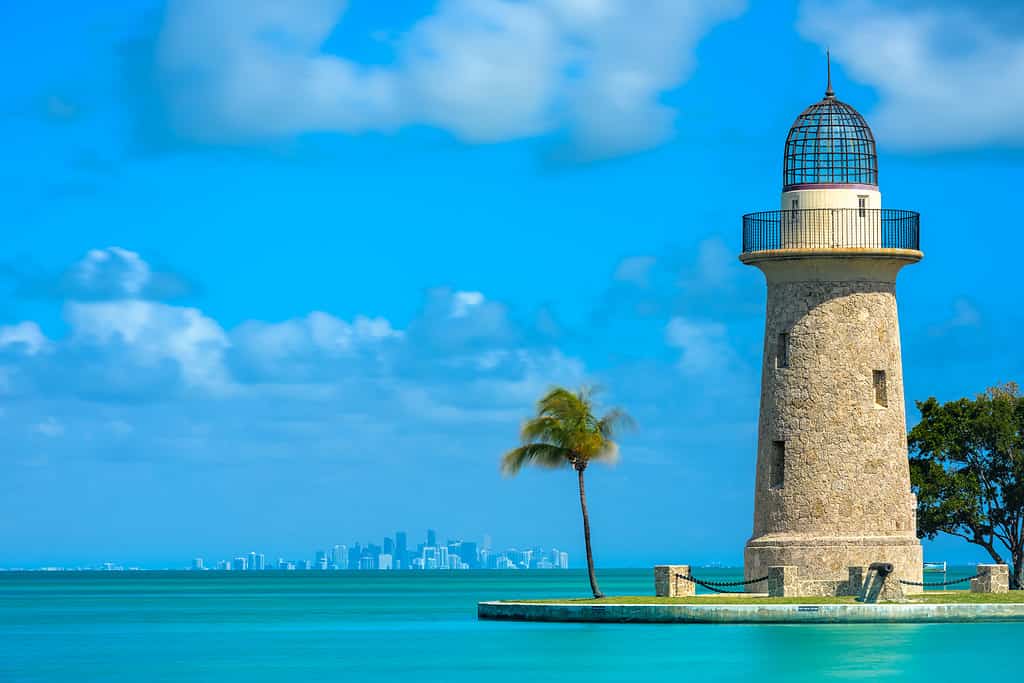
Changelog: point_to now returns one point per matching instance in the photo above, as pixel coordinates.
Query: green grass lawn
(931, 597)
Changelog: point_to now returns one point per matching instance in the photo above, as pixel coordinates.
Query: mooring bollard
(669, 581)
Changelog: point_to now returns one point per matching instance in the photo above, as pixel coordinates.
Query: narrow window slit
(881, 391)
(777, 465)
(782, 351)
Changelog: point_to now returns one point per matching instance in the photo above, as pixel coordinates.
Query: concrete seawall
(751, 614)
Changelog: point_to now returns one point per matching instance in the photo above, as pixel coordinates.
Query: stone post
(992, 578)
(669, 581)
(783, 581)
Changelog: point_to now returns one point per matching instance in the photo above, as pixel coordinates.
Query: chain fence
(717, 586)
(938, 584)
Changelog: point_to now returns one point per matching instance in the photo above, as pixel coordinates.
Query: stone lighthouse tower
(832, 481)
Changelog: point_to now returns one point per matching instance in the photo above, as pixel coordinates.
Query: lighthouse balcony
(876, 230)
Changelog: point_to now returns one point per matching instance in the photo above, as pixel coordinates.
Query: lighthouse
(832, 484)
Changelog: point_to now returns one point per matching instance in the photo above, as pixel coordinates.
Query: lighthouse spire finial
(829, 92)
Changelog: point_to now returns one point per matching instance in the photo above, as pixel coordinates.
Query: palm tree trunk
(586, 536)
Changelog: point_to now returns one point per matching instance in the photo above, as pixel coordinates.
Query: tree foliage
(967, 469)
(566, 433)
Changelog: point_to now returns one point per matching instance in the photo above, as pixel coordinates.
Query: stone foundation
(823, 564)
(869, 585)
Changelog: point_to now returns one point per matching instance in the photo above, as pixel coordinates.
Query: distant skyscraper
(401, 550)
(563, 560)
(240, 564)
(223, 565)
(468, 553)
(197, 564)
(340, 557)
(321, 560)
(385, 561)
(431, 538)
(442, 557)
(354, 553)
(487, 542)
(304, 564)
(429, 558)
(257, 561)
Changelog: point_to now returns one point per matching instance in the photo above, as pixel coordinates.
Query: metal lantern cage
(829, 144)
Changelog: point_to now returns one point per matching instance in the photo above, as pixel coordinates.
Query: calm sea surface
(397, 626)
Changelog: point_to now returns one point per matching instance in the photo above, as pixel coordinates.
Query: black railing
(832, 229)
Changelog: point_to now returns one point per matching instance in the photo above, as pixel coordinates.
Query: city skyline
(392, 554)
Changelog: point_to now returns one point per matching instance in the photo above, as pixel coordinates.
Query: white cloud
(112, 272)
(965, 315)
(500, 384)
(452, 320)
(485, 70)
(947, 75)
(152, 333)
(635, 270)
(463, 302)
(252, 68)
(299, 349)
(24, 336)
(704, 345)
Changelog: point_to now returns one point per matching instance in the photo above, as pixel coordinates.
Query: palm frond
(565, 430)
(562, 404)
(608, 455)
(542, 454)
(614, 421)
(543, 428)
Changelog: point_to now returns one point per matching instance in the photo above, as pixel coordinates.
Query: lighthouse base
(823, 562)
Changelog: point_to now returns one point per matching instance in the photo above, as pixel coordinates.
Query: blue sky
(278, 276)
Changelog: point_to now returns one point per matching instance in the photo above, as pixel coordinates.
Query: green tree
(967, 469)
(566, 433)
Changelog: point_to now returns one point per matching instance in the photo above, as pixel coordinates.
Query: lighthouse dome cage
(829, 144)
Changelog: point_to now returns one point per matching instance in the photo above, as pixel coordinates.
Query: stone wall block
(669, 581)
(783, 581)
(992, 578)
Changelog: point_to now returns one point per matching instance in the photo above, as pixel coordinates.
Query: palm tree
(566, 433)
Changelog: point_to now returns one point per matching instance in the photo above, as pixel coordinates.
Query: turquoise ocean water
(405, 626)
